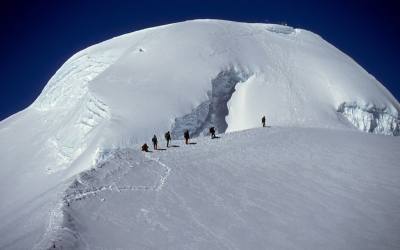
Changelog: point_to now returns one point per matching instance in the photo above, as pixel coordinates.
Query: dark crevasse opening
(212, 112)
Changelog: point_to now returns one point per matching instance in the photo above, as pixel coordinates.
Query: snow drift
(188, 75)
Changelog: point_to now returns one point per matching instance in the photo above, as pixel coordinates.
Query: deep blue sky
(37, 37)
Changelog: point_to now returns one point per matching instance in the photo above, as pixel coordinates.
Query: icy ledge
(370, 118)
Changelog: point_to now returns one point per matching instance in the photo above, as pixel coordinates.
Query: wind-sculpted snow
(372, 119)
(285, 188)
(70, 83)
(74, 132)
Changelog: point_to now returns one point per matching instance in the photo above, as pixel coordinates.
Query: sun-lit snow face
(156, 79)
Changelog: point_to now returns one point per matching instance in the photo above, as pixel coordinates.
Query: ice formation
(372, 119)
(212, 112)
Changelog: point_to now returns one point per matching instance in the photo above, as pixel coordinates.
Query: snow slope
(274, 188)
(292, 75)
(192, 75)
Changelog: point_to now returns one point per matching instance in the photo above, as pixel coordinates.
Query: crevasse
(371, 118)
(212, 112)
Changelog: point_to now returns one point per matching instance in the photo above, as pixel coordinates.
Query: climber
(167, 138)
(263, 121)
(186, 136)
(145, 148)
(212, 132)
(154, 140)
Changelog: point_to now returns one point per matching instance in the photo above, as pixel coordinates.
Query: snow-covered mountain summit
(188, 75)
(196, 73)
(183, 76)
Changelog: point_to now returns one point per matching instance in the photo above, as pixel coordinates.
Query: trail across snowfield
(278, 188)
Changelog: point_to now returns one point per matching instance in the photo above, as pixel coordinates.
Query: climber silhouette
(212, 133)
(145, 147)
(155, 141)
(186, 136)
(167, 138)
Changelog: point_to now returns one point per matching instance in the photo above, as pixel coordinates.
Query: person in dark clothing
(212, 132)
(154, 140)
(168, 138)
(145, 148)
(186, 136)
(263, 121)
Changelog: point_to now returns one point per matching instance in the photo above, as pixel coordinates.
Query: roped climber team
(186, 136)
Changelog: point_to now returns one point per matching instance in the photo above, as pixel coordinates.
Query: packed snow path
(130, 165)
(276, 187)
